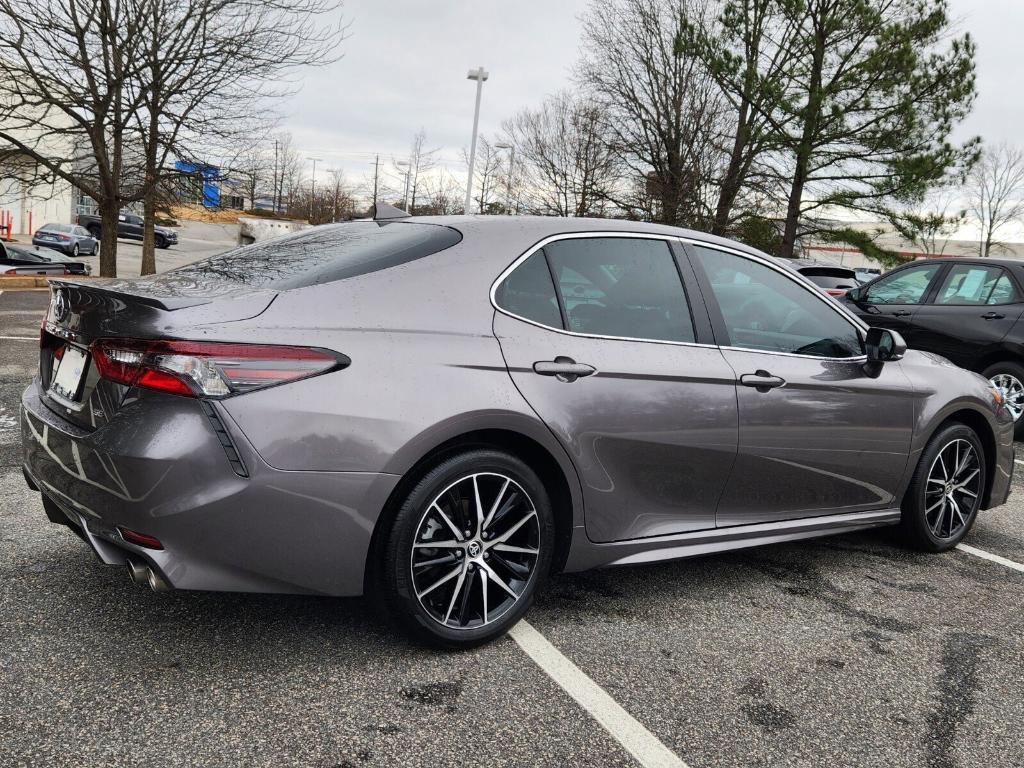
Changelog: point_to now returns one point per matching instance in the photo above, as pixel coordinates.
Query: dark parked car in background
(70, 239)
(967, 310)
(21, 260)
(129, 226)
(441, 411)
(833, 279)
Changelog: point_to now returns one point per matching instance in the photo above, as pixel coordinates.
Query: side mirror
(855, 293)
(882, 346)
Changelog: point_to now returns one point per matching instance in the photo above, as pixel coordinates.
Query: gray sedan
(440, 412)
(70, 239)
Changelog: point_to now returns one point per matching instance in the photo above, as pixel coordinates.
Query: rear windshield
(316, 255)
(833, 281)
(57, 228)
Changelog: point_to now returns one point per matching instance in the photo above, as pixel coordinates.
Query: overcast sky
(405, 65)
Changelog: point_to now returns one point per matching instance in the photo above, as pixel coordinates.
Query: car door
(817, 434)
(892, 300)
(973, 309)
(620, 365)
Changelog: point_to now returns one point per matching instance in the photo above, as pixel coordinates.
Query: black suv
(965, 309)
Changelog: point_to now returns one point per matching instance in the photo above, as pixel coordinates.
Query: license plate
(68, 379)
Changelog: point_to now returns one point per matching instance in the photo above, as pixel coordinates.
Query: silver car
(443, 411)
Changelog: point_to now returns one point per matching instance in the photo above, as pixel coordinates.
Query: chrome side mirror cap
(882, 345)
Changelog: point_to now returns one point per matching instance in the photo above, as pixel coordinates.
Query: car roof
(541, 227)
(1002, 262)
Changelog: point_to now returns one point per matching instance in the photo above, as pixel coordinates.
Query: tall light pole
(479, 74)
(405, 198)
(511, 167)
(312, 191)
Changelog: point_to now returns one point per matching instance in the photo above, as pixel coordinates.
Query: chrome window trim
(581, 236)
(821, 296)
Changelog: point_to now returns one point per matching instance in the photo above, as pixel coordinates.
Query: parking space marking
(643, 745)
(1018, 461)
(989, 556)
(20, 338)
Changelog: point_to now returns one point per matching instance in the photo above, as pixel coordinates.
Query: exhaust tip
(157, 583)
(138, 572)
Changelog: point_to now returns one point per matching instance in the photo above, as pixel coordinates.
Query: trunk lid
(82, 312)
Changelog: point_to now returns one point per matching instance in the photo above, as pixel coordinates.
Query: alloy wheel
(952, 489)
(475, 550)
(1013, 393)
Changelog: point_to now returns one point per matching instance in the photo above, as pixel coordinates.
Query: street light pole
(511, 168)
(479, 74)
(408, 169)
(312, 192)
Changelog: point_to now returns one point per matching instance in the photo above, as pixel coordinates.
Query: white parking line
(20, 338)
(627, 730)
(989, 556)
(1018, 461)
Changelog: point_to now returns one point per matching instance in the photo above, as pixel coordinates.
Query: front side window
(907, 286)
(974, 284)
(764, 310)
(621, 286)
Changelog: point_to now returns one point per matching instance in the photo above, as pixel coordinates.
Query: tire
(927, 496)
(1008, 377)
(161, 242)
(74, 250)
(438, 593)
(96, 232)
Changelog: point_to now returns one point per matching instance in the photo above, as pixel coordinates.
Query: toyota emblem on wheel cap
(60, 306)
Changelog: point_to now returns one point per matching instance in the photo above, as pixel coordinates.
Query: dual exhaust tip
(142, 574)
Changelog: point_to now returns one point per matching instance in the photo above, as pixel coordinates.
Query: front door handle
(901, 313)
(992, 316)
(761, 380)
(564, 368)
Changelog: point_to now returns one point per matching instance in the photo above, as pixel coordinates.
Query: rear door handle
(762, 381)
(992, 316)
(564, 368)
(901, 313)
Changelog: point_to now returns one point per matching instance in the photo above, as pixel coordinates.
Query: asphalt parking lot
(846, 651)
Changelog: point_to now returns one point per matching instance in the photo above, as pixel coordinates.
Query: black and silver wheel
(1008, 378)
(946, 491)
(74, 250)
(469, 547)
(160, 241)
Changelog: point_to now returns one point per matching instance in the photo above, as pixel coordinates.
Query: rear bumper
(61, 247)
(159, 468)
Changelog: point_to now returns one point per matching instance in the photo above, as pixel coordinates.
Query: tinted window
(904, 287)
(627, 287)
(832, 281)
(765, 310)
(528, 292)
(975, 284)
(315, 255)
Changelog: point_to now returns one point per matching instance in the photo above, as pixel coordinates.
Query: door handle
(563, 368)
(901, 313)
(761, 380)
(992, 316)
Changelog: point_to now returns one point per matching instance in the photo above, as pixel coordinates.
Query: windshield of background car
(320, 255)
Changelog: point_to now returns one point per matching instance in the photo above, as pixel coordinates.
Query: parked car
(21, 260)
(967, 310)
(70, 239)
(833, 279)
(129, 226)
(436, 412)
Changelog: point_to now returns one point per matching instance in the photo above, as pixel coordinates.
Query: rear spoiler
(117, 288)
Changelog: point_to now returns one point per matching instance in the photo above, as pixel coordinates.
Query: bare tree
(996, 193)
(287, 170)
(444, 195)
(251, 167)
(66, 68)
(566, 156)
(665, 110)
(421, 162)
(486, 172)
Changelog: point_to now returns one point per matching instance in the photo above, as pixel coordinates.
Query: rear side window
(907, 286)
(321, 255)
(974, 284)
(831, 279)
(529, 293)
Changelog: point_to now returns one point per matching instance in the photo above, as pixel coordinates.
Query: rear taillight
(63, 237)
(11, 272)
(208, 369)
(835, 291)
